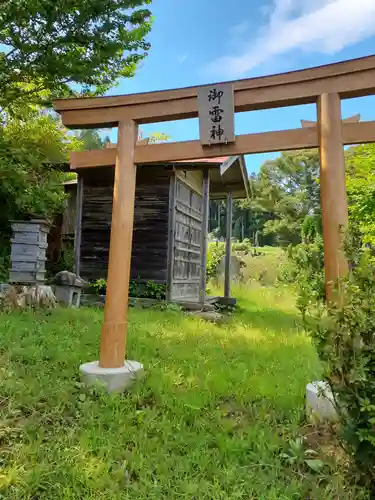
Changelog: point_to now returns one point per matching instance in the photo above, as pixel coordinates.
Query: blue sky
(202, 41)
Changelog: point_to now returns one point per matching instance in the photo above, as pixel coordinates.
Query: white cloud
(182, 58)
(240, 28)
(325, 26)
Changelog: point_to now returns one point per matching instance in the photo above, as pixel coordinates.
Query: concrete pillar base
(113, 379)
(319, 403)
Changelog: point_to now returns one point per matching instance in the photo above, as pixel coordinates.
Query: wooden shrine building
(170, 219)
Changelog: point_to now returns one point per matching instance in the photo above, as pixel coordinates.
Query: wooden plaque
(216, 114)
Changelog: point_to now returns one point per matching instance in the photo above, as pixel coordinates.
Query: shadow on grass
(270, 308)
(213, 412)
(269, 318)
(254, 356)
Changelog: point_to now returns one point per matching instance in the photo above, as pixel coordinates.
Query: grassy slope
(264, 268)
(208, 422)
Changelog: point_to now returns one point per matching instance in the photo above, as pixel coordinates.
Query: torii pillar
(113, 370)
(332, 189)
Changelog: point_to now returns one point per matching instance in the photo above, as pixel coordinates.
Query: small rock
(212, 316)
(68, 278)
(236, 265)
(320, 403)
(21, 297)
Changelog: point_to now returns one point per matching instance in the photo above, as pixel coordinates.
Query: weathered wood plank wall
(69, 216)
(150, 236)
(192, 178)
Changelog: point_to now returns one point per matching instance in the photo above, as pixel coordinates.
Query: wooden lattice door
(187, 243)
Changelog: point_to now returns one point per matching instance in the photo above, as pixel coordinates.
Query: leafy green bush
(263, 268)
(304, 269)
(155, 290)
(243, 246)
(99, 286)
(311, 228)
(149, 290)
(344, 335)
(215, 253)
(4, 258)
(30, 183)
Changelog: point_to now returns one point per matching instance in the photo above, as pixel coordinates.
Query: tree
(91, 139)
(30, 182)
(216, 223)
(284, 203)
(360, 185)
(67, 47)
(288, 187)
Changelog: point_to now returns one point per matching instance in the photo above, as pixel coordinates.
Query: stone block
(26, 277)
(212, 316)
(235, 272)
(319, 403)
(68, 295)
(113, 379)
(28, 253)
(68, 278)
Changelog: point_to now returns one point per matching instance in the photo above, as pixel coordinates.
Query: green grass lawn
(210, 420)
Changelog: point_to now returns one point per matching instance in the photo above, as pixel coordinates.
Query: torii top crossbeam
(354, 78)
(348, 79)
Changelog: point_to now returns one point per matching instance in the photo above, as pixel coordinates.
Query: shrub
(99, 286)
(149, 290)
(243, 246)
(263, 267)
(311, 228)
(344, 335)
(155, 291)
(304, 269)
(215, 253)
(4, 259)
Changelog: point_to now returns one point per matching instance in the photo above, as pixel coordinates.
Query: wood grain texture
(114, 328)
(351, 119)
(187, 235)
(171, 229)
(228, 244)
(204, 234)
(149, 248)
(70, 209)
(287, 92)
(283, 140)
(78, 225)
(332, 188)
(352, 66)
(191, 178)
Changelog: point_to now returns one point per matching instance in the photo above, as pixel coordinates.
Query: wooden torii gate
(324, 85)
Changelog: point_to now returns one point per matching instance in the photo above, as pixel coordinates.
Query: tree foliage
(284, 204)
(91, 139)
(344, 335)
(360, 185)
(31, 183)
(68, 46)
(289, 187)
(283, 193)
(30, 150)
